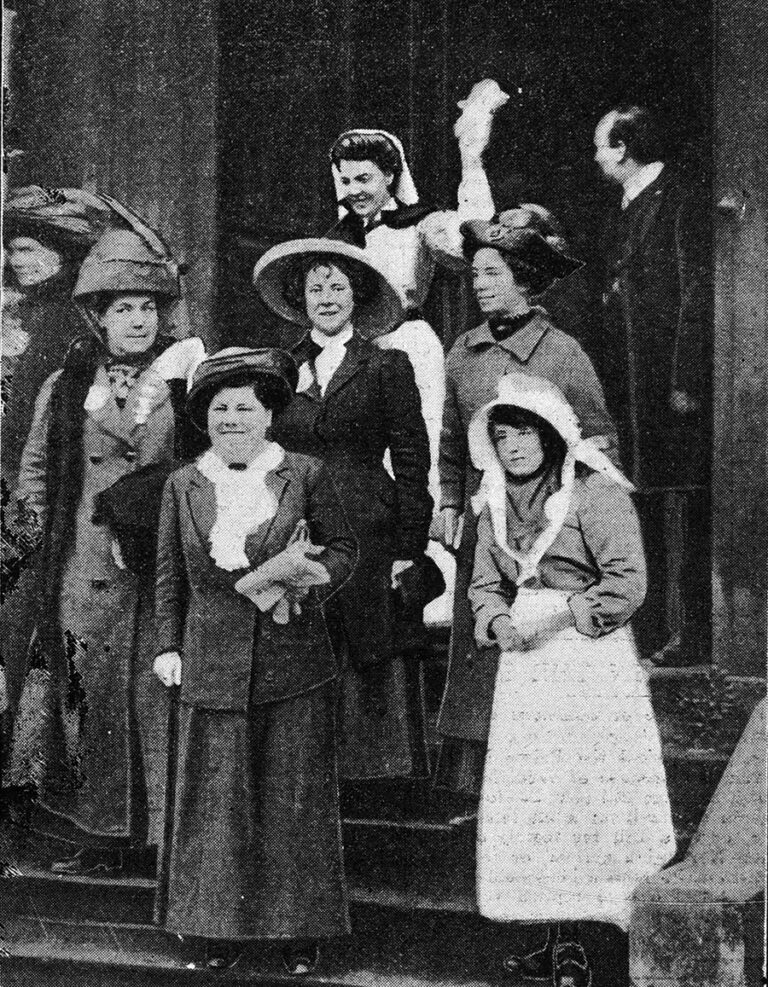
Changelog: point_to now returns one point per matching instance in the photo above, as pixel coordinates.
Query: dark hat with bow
(236, 363)
(64, 218)
(530, 240)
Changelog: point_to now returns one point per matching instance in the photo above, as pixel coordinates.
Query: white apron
(574, 810)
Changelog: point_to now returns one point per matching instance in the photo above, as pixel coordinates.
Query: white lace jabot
(243, 503)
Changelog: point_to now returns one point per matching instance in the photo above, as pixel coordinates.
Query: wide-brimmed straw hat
(520, 235)
(372, 316)
(234, 363)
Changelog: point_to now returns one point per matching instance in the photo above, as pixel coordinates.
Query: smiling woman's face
(237, 424)
(329, 298)
(130, 324)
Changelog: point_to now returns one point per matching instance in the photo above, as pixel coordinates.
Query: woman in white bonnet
(574, 810)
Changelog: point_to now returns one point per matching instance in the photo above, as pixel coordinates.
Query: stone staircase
(411, 875)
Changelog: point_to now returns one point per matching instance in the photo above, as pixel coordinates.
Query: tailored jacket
(657, 313)
(234, 656)
(371, 404)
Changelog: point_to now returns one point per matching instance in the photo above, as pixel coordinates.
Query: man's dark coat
(657, 331)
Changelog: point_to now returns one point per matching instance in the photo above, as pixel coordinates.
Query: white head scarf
(542, 398)
(404, 187)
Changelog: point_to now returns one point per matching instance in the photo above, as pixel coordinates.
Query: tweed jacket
(233, 656)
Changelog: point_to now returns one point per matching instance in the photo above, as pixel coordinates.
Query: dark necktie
(504, 326)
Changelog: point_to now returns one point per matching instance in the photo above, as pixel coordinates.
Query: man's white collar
(640, 181)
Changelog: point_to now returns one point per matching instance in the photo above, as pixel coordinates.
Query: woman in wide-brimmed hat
(574, 810)
(90, 730)
(355, 403)
(46, 235)
(514, 259)
(253, 541)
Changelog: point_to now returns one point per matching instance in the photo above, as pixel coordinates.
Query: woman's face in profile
(329, 299)
(31, 261)
(237, 423)
(130, 324)
(519, 449)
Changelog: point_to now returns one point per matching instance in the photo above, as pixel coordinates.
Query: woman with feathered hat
(354, 403)
(514, 259)
(46, 235)
(574, 810)
(90, 729)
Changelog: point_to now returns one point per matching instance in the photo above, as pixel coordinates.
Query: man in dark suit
(656, 368)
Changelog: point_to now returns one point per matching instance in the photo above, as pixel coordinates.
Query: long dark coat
(657, 331)
(255, 849)
(371, 404)
(474, 367)
(91, 654)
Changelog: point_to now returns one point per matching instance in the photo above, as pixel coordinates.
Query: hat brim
(524, 245)
(376, 318)
(201, 394)
(75, 235)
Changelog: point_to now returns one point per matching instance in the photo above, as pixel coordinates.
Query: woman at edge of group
(354, 402)
(89, 733)
(574, 809)
(515, 258)
(255, 846)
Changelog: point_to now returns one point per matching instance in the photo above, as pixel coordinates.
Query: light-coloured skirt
(574, 809)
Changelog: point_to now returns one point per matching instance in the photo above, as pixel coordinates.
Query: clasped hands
(527, 627)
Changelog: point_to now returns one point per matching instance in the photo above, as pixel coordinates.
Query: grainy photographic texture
(384, 483)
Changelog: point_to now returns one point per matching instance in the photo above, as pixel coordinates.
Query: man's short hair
(636, 127)
(368, 147)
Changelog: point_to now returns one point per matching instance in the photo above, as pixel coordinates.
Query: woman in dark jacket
(90, 729)
(255, 848)
(355, 403)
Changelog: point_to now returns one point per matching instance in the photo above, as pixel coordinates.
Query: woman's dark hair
(368, 147)
(272, 392)
(528, 278)
(552, 443)
(365, 285)
(100, 301)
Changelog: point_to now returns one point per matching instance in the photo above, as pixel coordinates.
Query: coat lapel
(277, 483)
(647, 206)
(355, 358)
(201, 501)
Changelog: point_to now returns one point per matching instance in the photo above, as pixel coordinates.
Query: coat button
(130, 455)
(269, 677)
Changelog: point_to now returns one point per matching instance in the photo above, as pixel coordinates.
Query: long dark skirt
(256, 845)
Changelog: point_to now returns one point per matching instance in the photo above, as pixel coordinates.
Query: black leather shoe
(88, 862)
(533, 966)
(301, 960)
(221, 955)
(571, 967)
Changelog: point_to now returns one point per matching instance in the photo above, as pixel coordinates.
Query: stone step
(427, 950)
